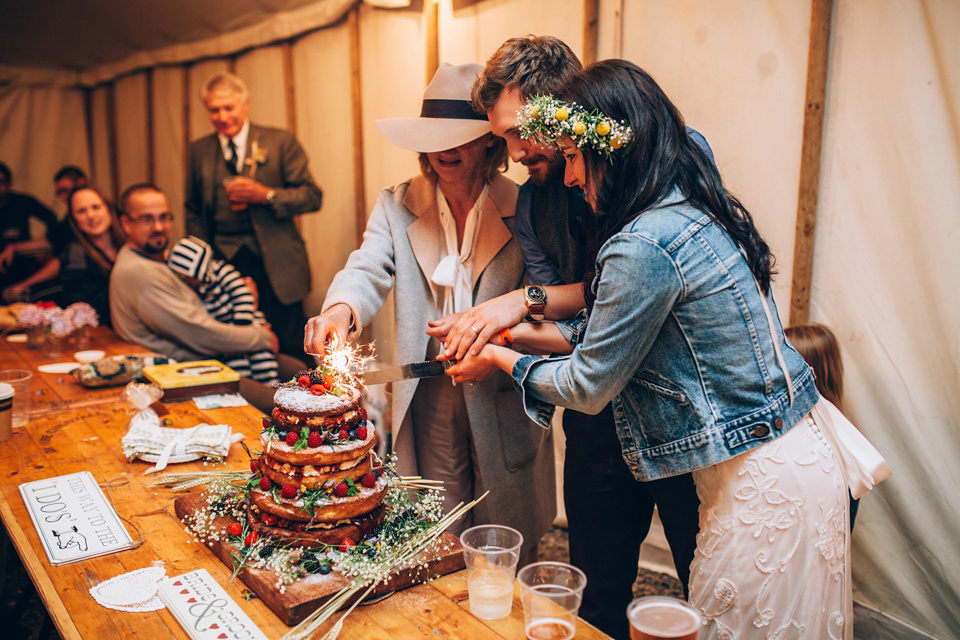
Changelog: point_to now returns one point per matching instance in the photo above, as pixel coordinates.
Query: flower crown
(548, 119)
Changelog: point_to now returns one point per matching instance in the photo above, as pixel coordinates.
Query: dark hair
(117, 236)
(661, 156)
(533, 64)
(70, 171)
(494, 161)
(5, 170)
(133, 190)
(819, 347)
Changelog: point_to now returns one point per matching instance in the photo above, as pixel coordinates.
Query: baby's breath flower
(588, 129)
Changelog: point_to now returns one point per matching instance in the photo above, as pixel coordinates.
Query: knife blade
(405, 372)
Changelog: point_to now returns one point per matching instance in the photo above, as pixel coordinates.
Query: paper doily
(133, 591)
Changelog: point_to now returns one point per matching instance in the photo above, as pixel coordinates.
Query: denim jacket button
(760, 431)
(778, 424)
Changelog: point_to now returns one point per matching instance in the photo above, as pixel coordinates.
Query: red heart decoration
(222, 635)
(214, 626)
(177, 583)
(191, 600)
(185, 591)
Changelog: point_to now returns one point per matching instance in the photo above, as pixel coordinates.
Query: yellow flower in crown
(591, 130)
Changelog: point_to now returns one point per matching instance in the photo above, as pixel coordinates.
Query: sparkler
(345, 362)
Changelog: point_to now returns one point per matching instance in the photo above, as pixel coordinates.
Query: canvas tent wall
(888, 212)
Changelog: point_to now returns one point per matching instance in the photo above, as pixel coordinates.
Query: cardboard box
(190, 379)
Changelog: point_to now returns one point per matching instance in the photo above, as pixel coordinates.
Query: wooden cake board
(304, 596)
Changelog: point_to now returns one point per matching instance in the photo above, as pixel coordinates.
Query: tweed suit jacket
(285, 170)
(401, 249)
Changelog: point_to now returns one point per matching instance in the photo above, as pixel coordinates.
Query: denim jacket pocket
(520, 437)
(660, 385)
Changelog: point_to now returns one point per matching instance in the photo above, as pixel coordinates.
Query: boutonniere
(258, 156)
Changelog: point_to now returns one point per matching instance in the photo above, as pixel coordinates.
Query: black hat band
(455, 109)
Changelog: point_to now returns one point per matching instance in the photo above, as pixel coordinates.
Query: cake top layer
(302, 401)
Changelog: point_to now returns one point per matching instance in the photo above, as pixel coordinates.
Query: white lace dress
(772, 558)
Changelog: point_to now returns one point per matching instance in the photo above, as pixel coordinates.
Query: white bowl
(89, 356)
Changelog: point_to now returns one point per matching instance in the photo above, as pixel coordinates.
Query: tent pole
(432, 9)
(359, 197)
(151, 159)
(186, 114)
(591, 23)
(88, 125)
(289, 87)
(817, 63)
(112, 139)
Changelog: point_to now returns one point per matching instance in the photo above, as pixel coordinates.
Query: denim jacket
(679, 340)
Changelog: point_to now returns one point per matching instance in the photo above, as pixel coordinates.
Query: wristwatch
(536, 298)
(271, 196)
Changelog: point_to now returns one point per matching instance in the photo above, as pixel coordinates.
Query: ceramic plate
(89, 356)
(58, 367)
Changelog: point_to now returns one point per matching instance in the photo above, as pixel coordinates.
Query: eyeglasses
(149, 221)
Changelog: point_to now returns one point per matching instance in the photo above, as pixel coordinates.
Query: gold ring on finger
(474, 329)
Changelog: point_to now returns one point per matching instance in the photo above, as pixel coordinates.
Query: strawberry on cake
(318, 477)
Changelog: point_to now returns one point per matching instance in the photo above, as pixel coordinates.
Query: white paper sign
(73, 518)
(204, 610)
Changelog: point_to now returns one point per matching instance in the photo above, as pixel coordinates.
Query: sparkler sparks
(346, 362)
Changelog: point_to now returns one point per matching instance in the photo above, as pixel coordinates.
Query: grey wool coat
(401, 249)
(285, 170)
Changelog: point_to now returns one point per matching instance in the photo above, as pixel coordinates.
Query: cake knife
(408, 371)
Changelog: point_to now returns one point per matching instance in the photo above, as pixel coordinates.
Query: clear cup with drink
(551, 593)
(491, 553)
(662, 618)
(234, 205)
(19, 380)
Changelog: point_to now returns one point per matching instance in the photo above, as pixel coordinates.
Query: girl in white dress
(683, 336)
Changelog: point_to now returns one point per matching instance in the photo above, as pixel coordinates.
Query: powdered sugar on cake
(302, 400)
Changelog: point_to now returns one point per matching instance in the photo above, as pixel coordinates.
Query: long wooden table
(74, 429)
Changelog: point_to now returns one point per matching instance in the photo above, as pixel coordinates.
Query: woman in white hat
(443, 241)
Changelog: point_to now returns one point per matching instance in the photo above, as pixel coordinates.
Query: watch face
(536, 294)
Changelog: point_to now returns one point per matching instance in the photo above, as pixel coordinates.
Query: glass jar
(36, 337)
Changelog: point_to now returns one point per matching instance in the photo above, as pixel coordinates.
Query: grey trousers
(444, 446)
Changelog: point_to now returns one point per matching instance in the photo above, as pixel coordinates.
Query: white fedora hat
(446, 118)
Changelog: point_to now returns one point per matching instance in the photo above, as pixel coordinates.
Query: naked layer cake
(319, 478)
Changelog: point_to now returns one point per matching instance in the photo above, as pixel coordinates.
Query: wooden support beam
(432, 9)
(356, 94)
(151, 140)
(187, 97)
(810, 154)
(290, 100)
(112, 140)
(289, 85)
(591, 23)
(88, 125)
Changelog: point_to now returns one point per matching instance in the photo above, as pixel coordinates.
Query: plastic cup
(551, 593)
(20, 380)
(6, 411)
(662, 618)
(491, 553)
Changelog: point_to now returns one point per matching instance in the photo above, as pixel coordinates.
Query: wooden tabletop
(73, 429)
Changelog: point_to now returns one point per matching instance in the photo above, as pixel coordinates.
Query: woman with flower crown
(682, 334)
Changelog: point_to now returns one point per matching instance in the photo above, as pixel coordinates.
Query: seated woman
(442, 242)
(86, 254)
(683, 336)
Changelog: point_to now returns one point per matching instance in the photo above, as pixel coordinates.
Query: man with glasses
(152, 307)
